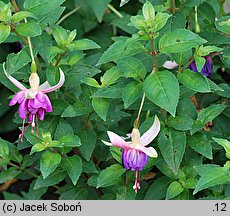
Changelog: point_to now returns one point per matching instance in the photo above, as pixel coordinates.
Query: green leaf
(211, 175)
(74, 193)
(88, 139)
(223, 24)
(200, 144)
(174, 189)
(101, 106)
(111, 76)
(70, 140)
(200, 62)
(15, 62)
(91, 82)
(37, 148)
(4, 32)
(77, 109)
(131, 92)
(21, 15)
(225, 144)
(207, 115)
(132, 67)
(63, 128)
(14, 153)
(148, 11)
(225, 56)
(4, 148)
(5, 12)
(119, 50)
(194, 81)
(159, 21)
(206, 50)
(73, 166)
(99, 7)
(180, 122)
(57, 176)
(9, 174)
(158, 189)
(30, 29)
(61, 36)
(110, 175)
(49, 162)
(179, 40)
(41, 8)
(83, 44)
(163, 90)
(172, 146)
(89, 167)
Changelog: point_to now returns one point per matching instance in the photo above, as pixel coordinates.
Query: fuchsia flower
(33, 102)
(134, 153)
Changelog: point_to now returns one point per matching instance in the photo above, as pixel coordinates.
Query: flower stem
(115, 11)
(60, 57)
(137, 121)
(67, 15)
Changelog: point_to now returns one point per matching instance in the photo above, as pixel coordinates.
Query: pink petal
(14, 81)
(170, 64)
(149, 135)
(18, 98)
(59, 85)
(44, 86)
(150, 151)
(118, 141)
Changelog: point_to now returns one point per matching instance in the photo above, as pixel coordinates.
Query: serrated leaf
(73, 166)
(200, 144)
(70, 140)
(131, 92)
(63, 128)
(207, 115)
(29, 29)
(225, 144)
(101, 106)
(88, 139)
(174, 189)
(49, 162)
(158, 189)
(211, 175)
(119, 50)
(57, 176)
(111, 76)
(194, 81)
(21, 15)
(180, 122)
(4, 32)
(223, 24)
(132, 67)
(172, 146)
(37, 148)
(110, 175)
(83, 44)
(77, 109)
(179, 40)
(9, 174)
(163, 90)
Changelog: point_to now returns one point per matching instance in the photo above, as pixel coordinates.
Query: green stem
(115, 11)
(153, 53)
(67, 15)
(60, 58)
(15, 6)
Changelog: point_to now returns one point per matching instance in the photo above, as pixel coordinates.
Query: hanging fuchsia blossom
(206, 70)
(134, 153)
(33, 102)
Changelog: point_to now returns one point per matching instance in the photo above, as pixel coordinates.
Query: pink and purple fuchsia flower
(33, 102)
(135, 153)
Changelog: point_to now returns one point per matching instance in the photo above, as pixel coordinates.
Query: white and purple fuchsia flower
(135, 153)
(33, 102)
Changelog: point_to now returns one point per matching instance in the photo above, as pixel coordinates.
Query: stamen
(37, 132)
(23, 129)
(136, 186)
(33, 124)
